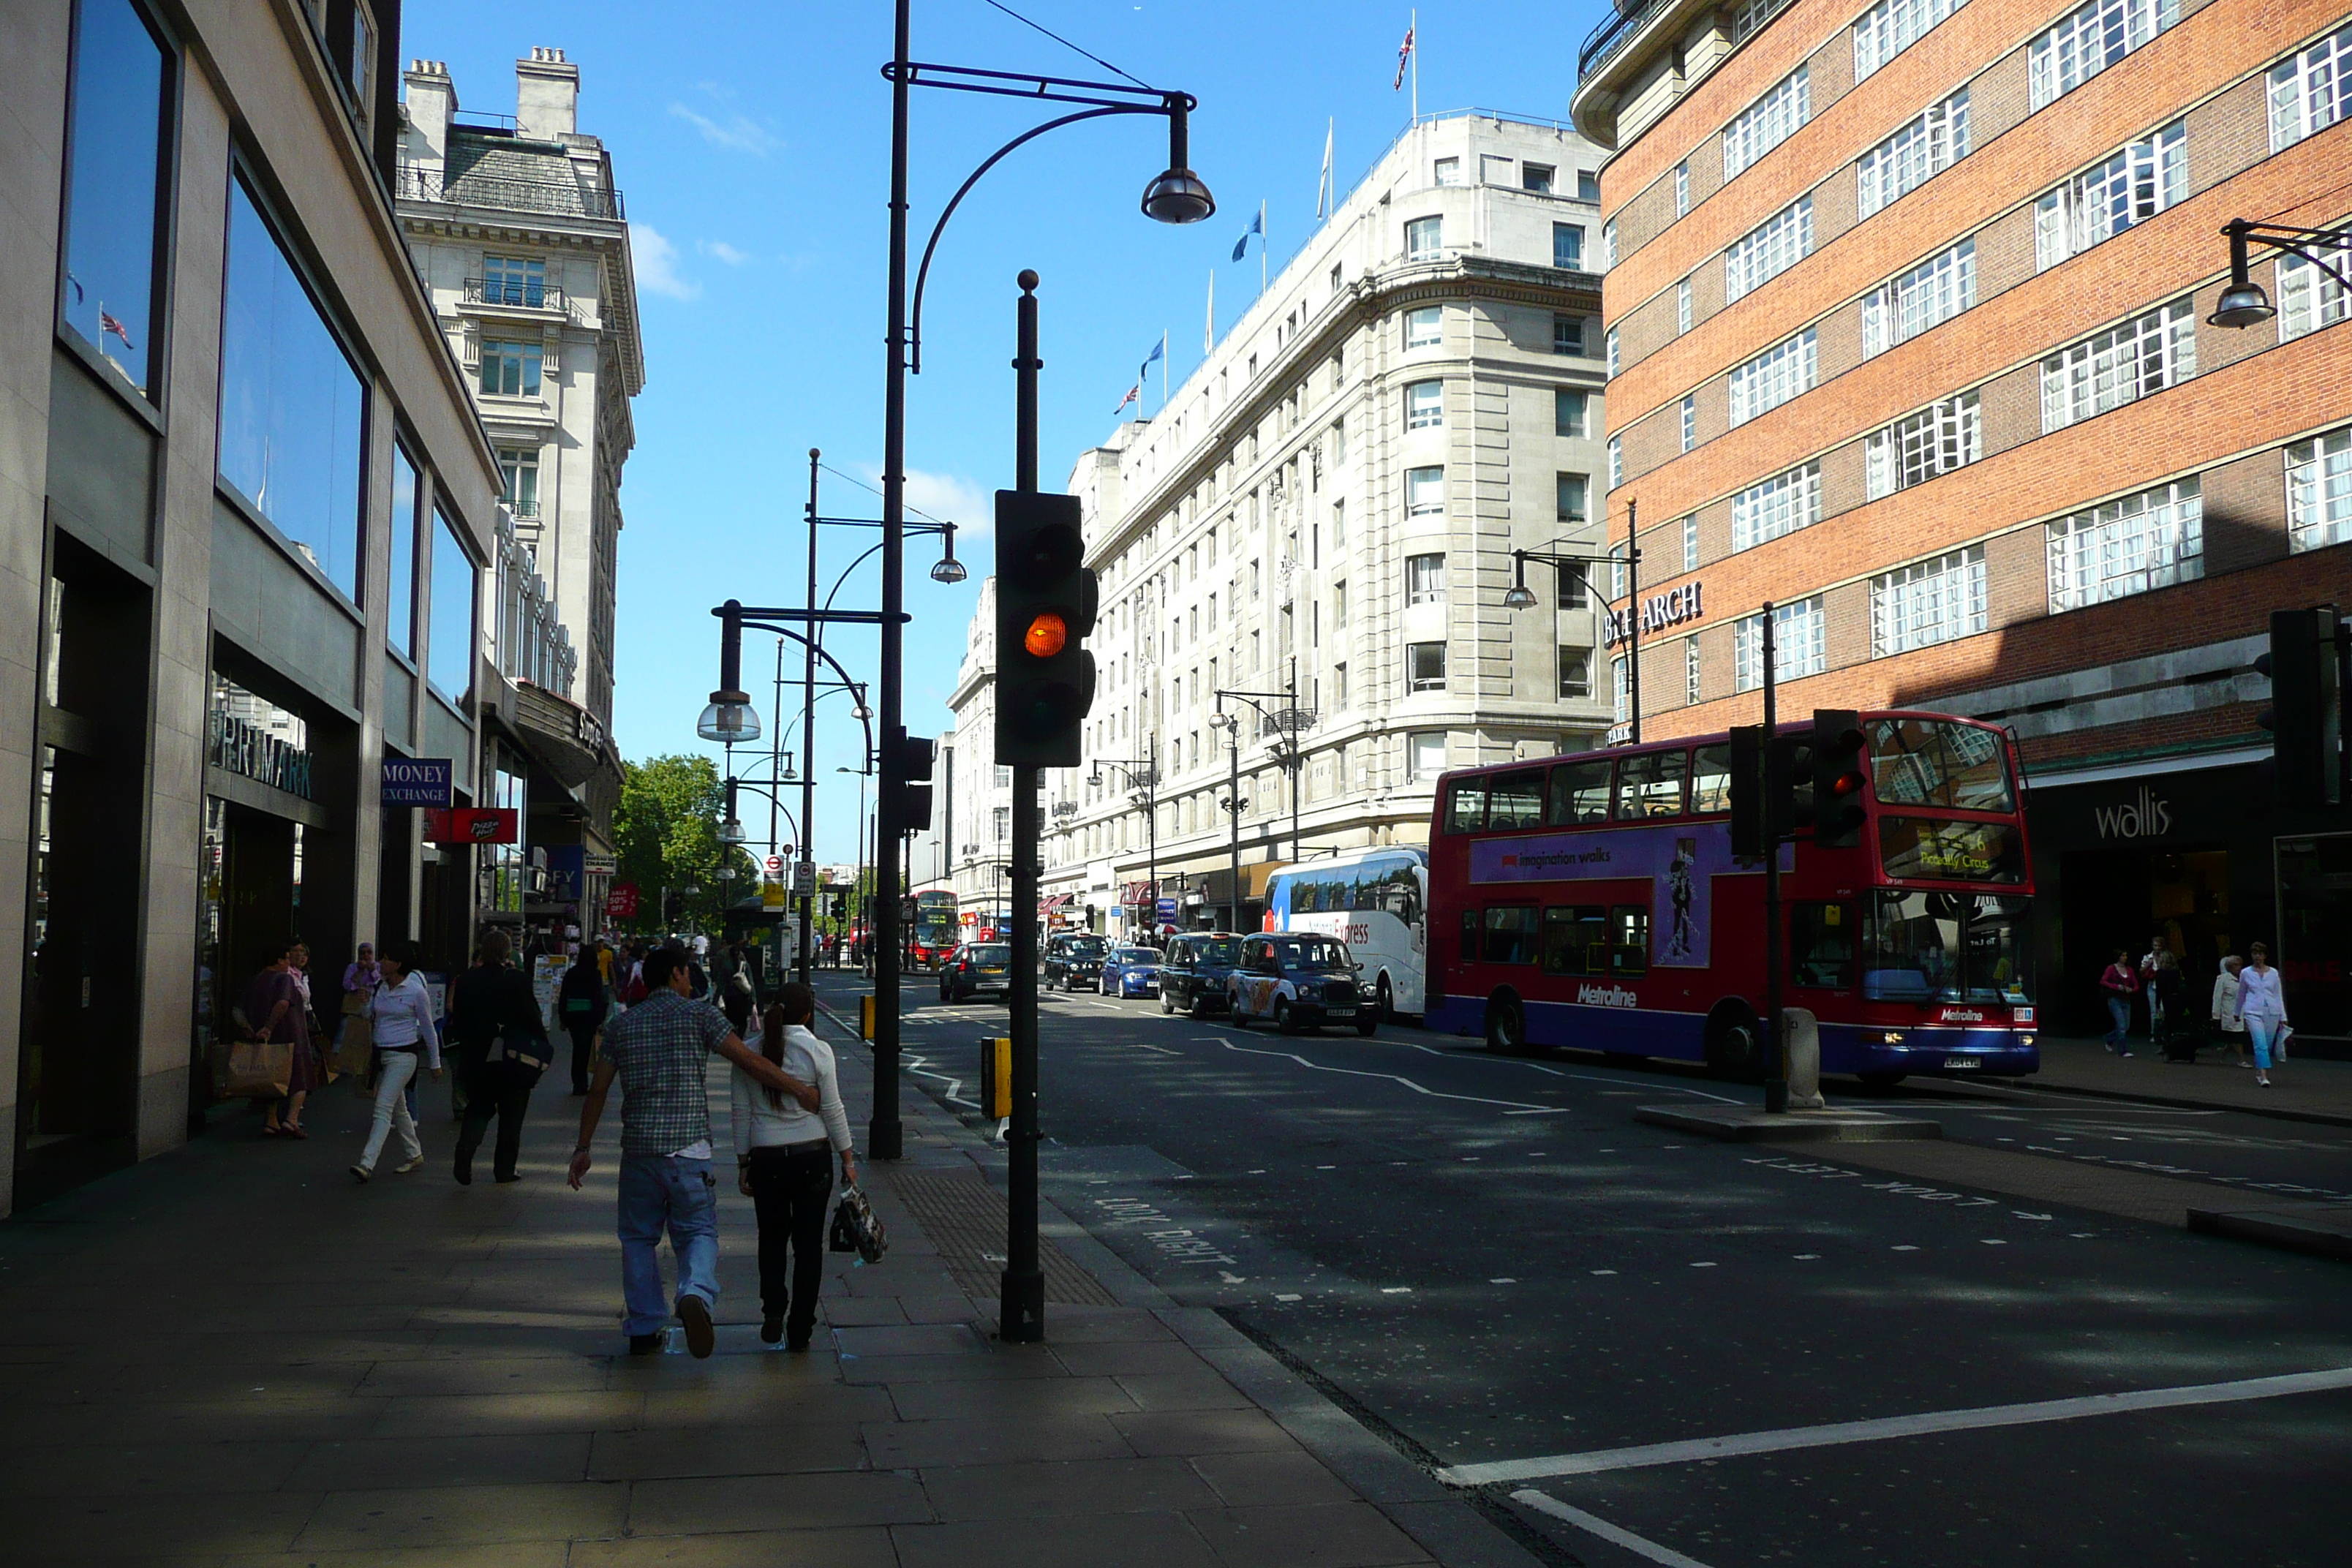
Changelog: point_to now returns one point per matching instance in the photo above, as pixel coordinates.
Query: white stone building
(518, 231)
(971, 795)
(1327, 507)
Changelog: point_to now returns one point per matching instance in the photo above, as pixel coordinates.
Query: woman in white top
(779, 1164)
(2262, 1003)
(400, 1021)
(2225, 1010)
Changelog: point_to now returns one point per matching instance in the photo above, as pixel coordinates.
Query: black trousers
(792, 1189)
(503, 1090)
(583, 1040)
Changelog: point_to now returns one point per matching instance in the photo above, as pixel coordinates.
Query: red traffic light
(1047, 635)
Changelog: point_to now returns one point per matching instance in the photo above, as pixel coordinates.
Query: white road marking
(1518, 1108)
(1231, 1279)
(1606, 1459)
(1504, 1279)
(1289, 1298)
(1702, 1266)
(1604, 1271)
(1806, 1256)
(1396, 1289)
(1906, 1247)
(1992, 1241)
(1593, 1524)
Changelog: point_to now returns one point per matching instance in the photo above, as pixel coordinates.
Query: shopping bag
(356, 1053)
(856, 1229)
(260, 1070)
(2278, 1043)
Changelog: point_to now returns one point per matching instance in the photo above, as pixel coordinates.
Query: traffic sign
(775, 863)
(1166, 909)
(804, 878)
(772, 895)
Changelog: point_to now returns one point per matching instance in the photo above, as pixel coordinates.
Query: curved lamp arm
(923, 272)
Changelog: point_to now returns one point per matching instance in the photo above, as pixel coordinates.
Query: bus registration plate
(1962, 1064)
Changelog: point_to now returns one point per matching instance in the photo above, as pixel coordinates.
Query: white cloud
(736, 133)
(722, 251)
(656, 263)
(951, 499)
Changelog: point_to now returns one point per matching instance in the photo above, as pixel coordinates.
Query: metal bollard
(865, 1018)
(1800, 1034)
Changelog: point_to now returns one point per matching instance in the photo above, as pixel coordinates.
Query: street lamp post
(1176, 195)
(1143, 775)
(2243, 303)
(1519, 596)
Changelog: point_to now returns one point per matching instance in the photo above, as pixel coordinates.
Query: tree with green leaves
(667, 830)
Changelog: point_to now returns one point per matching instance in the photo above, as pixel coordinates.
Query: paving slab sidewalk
(234, 1356)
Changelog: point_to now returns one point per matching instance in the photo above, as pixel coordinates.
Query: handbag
(259, 1070)
(356, 1051)
(856, 1229)
(501, 1051)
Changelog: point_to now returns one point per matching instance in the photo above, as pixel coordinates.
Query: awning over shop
(1137, 893)
(1053, 901)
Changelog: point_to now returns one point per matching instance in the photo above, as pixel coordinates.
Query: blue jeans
(2262, 1031)
(2119, 1010)
(659, 1192)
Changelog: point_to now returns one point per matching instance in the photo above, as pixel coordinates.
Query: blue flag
(1157, 350)
(1258, 226)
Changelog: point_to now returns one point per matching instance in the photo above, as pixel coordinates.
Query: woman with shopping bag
(780, 1164)
(495, 1021)
(400, 1020)
(278, 1020)
(2262, 1003)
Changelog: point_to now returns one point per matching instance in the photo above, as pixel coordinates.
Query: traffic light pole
(1776, 1065)
(808, 739)
(1021, 1306)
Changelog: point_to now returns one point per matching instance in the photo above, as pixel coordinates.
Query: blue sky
(753, 145)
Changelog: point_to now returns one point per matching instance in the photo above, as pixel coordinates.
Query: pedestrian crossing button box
(996, 1077)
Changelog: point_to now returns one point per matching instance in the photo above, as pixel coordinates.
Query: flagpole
(1261, 247)
(1413, 27)
(1163, 370)
(1209, 334)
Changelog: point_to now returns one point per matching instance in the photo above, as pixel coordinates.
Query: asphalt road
(1493, 1262)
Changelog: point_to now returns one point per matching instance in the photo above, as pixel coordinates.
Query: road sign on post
(803, 879)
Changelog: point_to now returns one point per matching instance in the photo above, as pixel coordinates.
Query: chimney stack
(547, 96)
(432, 100)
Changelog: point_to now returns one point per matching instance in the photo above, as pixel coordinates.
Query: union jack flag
(1404, 53)
(1133, 395)
(108, 324)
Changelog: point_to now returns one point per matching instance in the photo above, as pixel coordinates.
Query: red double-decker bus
(1593, 901)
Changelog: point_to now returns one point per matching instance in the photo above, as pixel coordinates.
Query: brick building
(1908, 337)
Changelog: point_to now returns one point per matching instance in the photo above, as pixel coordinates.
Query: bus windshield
(1945, 947)
(1933, 763)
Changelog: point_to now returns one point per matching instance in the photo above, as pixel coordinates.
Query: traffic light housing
(1770, 795)
(1046, 602)
(914, 755)
(2306, 717)
(1838, 778)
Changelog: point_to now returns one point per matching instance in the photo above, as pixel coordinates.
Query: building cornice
(1360, 304)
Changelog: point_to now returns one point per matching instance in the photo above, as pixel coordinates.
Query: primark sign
(1657, 612)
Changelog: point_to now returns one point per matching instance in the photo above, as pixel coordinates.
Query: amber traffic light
(1046, 599)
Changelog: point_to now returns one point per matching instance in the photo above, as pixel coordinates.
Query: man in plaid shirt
(660, 1049)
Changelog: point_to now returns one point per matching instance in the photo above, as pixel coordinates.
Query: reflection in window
(291, 407)
(1516, 800)
(1710, 780)
(511, 369)
(1651, 785)
(449, 647)
(1579, 793)
(401, 631)
(1511, 934)
(1820, 944)
(119, 86)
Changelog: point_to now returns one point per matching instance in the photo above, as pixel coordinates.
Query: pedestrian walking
(582, 1001)
(400, 1021)
(739, 997)
(780, 1164)
(2228, 1022)
(2120, 983)
(275, 1011)
(494, 1018)
(2262, 1003)
(660, 1051)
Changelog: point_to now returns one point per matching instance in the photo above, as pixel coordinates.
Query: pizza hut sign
(1659, 611)
(474, 825)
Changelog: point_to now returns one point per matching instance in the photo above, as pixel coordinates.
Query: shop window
(399, 632)
(449, 638)
(291, 407)
(121, 85)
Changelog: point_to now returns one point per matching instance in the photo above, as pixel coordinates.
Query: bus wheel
(1506, 1027)
(1880, 1079)
(1388, 1002)
(1732, 1051)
